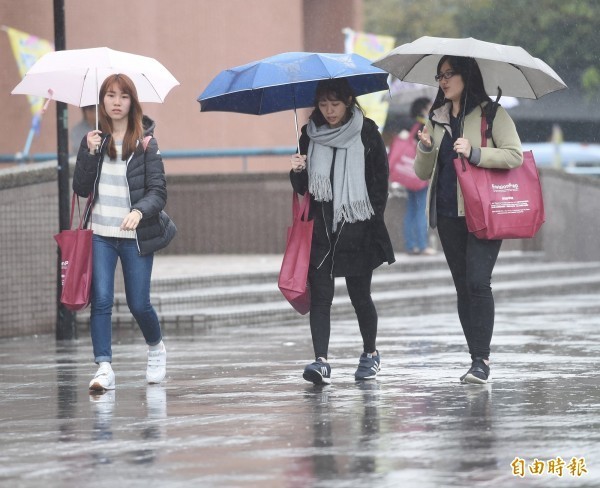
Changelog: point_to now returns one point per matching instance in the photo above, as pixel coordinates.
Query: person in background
(80, 130)
(452, 130)
(128, 189)
(416, 239)
(342, 163)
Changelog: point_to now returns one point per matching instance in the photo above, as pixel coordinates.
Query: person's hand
(93, 140)
(424, 137)
(462, 146)
(298, 162)
(131, 220)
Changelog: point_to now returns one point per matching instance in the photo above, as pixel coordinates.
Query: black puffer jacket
(362, 246)
(145, 178)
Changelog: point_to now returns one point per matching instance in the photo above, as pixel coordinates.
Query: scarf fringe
(320, 187)
(353, 212)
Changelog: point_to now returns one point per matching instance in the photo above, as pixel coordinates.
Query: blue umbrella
(286, 82)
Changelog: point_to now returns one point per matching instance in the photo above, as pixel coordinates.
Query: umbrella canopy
(75, 76)
(287, 81)
(511, 68)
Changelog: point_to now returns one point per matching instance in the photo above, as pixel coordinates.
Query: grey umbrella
(511, 68)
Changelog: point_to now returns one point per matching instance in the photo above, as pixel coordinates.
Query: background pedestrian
(415, 229)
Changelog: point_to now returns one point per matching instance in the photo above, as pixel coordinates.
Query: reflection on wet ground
(235, 412)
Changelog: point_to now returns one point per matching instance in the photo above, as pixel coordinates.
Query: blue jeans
(415, 220)
(137, 271)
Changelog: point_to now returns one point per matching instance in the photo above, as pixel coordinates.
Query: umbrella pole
(297, 134)
(97, 98)
(97, 103)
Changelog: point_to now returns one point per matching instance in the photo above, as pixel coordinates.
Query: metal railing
(248, 152)
(243, 153)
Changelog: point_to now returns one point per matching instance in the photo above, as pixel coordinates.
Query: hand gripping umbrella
(510, 68)
(287, 82)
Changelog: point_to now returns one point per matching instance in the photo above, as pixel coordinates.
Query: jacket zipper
(328, 238)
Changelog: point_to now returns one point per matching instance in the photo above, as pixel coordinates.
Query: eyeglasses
(447, 75)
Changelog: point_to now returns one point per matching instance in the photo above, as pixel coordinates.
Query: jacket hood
(148, 125)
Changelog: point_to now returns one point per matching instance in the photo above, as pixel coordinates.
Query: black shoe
(478, 374)
(318, 373)
(368, 367)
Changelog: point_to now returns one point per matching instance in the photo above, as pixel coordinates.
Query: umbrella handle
(45, 107)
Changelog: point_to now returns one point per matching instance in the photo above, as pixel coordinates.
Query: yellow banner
(27, 49)
(372, 47)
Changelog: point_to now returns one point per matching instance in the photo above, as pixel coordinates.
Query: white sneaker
(157, 365)
(104, 378)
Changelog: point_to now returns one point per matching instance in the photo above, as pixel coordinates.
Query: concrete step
(403, 264)
(267, 291)
(396, 301)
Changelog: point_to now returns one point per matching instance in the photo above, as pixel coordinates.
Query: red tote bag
(75, 263)
(501, 204)
(402, 161)
(293, 277)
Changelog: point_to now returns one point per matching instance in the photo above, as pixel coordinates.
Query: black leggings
(471, 262)
(322, 289)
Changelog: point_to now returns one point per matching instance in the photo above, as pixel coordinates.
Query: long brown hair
(134, 117)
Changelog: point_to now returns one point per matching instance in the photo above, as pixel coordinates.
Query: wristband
(138, 211)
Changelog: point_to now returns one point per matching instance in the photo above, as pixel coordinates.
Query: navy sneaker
(368, 366)
(479, 373)
(318, 372)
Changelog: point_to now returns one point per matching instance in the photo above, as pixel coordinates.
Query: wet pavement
(234, 410)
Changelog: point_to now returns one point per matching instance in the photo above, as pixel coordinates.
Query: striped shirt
(112, 204)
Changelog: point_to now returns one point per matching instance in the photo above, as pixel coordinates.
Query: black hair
(333, 89)
(474, 92)
(418, 106)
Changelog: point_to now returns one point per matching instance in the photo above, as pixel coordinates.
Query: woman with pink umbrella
(128, 187)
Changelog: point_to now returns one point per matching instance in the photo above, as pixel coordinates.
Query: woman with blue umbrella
(342, 163)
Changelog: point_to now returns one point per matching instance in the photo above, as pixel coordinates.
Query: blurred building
(195, 40)
(571, 109)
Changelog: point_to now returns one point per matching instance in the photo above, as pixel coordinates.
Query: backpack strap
(483, 132)
(145, 142)
(490, 113)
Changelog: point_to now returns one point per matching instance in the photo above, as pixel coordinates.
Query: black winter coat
(357, 248)
(145, 178)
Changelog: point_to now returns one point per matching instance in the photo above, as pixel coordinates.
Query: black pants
(471, 262)
(322, 289)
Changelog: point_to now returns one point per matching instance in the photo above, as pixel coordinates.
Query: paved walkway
(235, 411)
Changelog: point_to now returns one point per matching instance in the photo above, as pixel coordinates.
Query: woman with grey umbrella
(454, 129)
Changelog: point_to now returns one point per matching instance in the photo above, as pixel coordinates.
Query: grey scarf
(350, 198)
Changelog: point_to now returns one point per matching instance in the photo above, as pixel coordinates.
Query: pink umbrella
(74, 76)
